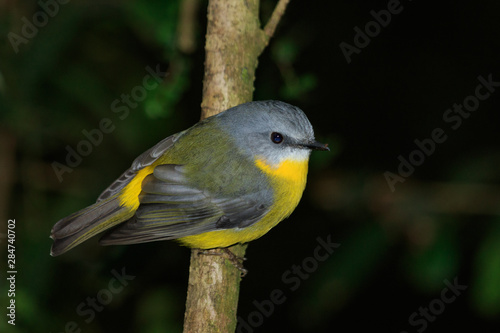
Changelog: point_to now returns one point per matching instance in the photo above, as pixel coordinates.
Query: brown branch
(271, 25)
(186, 28)
(233, 45)
(413, 198)
(234, 42)
(213, 291)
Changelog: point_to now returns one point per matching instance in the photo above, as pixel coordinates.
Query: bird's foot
(229, 255)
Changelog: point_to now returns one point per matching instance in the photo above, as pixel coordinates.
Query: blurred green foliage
(486, 287)
(396, 248)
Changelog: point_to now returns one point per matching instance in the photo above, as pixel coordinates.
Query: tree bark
(234, 42)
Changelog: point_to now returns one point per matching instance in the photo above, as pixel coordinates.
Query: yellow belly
(288, 180)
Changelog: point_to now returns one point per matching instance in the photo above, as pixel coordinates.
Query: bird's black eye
(276, 137)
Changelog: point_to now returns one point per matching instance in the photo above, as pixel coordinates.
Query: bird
(228, 179)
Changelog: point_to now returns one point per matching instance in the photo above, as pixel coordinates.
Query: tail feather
(80, 226)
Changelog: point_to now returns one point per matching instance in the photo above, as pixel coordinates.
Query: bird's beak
(315, 145)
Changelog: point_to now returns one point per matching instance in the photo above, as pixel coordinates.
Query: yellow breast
(288, 181)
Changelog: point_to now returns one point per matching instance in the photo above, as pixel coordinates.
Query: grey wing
(170, 208)
(145, 159)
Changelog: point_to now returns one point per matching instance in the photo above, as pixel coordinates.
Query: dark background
(397, 248)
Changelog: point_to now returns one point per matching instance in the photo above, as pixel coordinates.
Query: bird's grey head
(273, 130)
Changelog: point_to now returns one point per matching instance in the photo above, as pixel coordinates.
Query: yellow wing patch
(130, 194)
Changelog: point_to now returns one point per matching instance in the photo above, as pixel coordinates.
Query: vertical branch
(234, 42)
(213, 291)
(186, 41)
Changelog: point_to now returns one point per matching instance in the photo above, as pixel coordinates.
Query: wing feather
(170, 207)
(145, 159)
